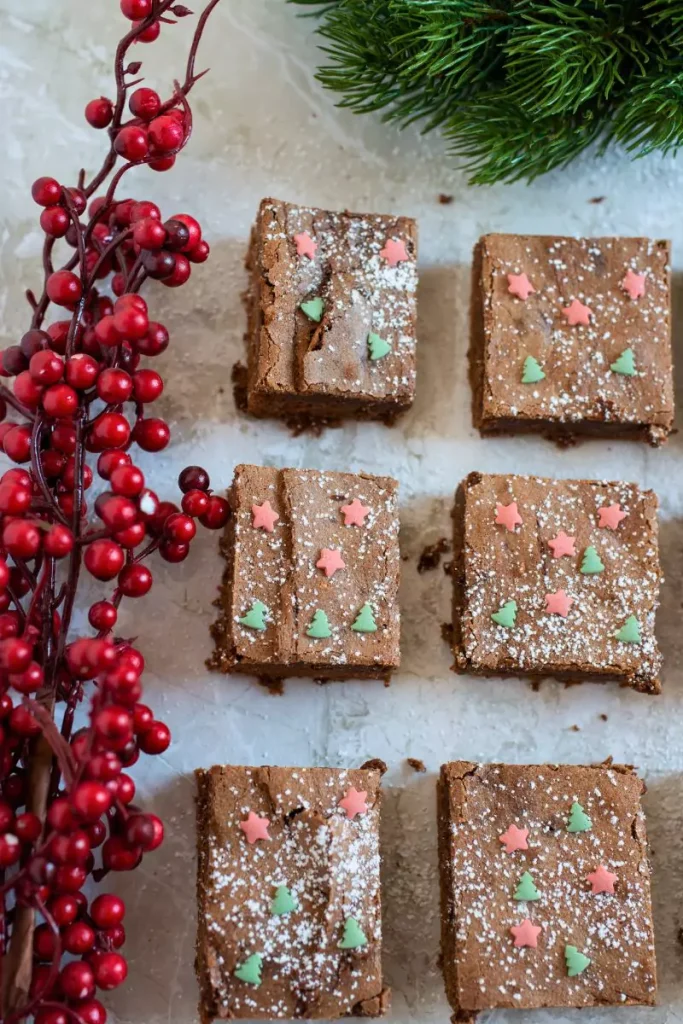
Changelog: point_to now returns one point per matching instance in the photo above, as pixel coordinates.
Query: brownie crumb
(603, 718)
(535, 684)
(239, 386)
(432, 554)
(575, 728)
(679, 936)
(447, 632)
(445, 198)
(416, 764)
(597, 199)
(375, 764)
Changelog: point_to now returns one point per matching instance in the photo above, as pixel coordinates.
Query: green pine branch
(517, 87)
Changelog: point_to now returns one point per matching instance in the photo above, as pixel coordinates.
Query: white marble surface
(263, 126)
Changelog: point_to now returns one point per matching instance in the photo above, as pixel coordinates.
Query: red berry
(147, 386)
(194, 230)
(131, 323)
(44, 943)
(125, 789)
(166, 134)
(21, 538)
(144, 103)
(4, 580)
(142, 717)
(152, 435)
(149, 34)
(69, 474)
(117, 856)
(63, 438)
(110, 970)
(78, 199)
(106, 332)
(64, 288)
(28, 827)
(107, 766)
(125, 480)
(70, 877)
(81, 371)
(10, 850)
(117, 512)
(174, 552)
(158, 264)
(136, 10)
(59, 541)
(154, 342)
(149, 234)
(60, 816)
(27, 391)
(14, 501)
(58, 333)
(46, 368)
(90, 800)
(140, 211)
(130, 537)
(200, 253)
(181, 272)
(46, 191)
(96, 833)
(180, 528)
(77, 980)
(104, 559)
(135, 580)
(55, 221)
(60, 401)
(131, 143)
(29, 681)
(107, 910)
(79, 938)
(99, 112)
(91, 1012)
(195, 503)
(102, 615)
(145, 831)
(110, 430)
(113, 722)
(15, 654)
(155, 739)
(193, 478)
(217, 514)
(108, 461)
(114, 386)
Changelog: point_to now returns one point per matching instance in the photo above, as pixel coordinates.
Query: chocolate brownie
(311, 583)
(545, 887)
(331, 314)
(288, 889)
(556, 578)
(572, 336)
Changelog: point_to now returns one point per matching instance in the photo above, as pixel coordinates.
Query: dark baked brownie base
(316, 954)
(644, 678)
(583, 932)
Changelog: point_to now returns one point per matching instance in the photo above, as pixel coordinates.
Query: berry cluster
(83, 396)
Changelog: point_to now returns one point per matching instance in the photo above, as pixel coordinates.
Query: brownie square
(556, 578)
(288, 886)
(572, 336)
(311, 583)
(331, 314)
(545, 887)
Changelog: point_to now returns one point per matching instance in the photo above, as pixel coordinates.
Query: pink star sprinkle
(394, 251)
(558, 603)
(508, 516)
(520, 286)
(577, 313)
(255, 828)
(601, 880)
(562, 545)
(354, 802)
(634, 284)
(514, 839)
(526, 933)
(330, 560)
(355, 513)
(264, 517)
(305, 246)
(611, 516)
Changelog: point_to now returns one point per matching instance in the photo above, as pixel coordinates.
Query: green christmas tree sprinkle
(283, 902)
(354, 937)
(630, 631)
(377, 347)
(320, 626)
(532, 372)
(526, 890)
(507, 615)
(255, 618)
(250, 970)
(625, 364)
(591, 564)
(313, 309)
(576, 962)
(365, 621)
(578, 819)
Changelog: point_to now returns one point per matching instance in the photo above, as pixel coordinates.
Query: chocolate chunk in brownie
(331, 314)
(572, 336)
(556, 578)
(288, 889)
(545, 887)
(311, 583)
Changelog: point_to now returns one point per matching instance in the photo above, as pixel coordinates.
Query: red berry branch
(82, 397)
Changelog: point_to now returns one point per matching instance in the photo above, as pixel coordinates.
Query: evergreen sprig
(518, 87)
